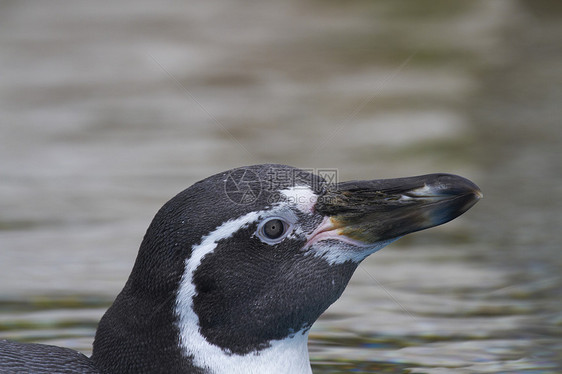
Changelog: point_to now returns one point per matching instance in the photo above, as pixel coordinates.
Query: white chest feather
(288, 356)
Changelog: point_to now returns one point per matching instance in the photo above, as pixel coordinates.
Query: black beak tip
(460, 195)
(454, 185)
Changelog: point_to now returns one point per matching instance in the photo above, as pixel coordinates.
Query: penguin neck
(138, 332)
(138, 335)
(289, 355)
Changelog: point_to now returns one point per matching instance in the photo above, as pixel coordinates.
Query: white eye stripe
(302, 197)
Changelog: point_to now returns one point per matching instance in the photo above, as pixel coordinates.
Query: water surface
(109, 109)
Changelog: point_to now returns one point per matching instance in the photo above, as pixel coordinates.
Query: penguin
(234, 270)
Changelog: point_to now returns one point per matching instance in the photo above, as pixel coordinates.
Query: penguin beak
(368, 212)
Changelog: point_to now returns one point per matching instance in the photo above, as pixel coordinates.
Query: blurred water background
(108, 109)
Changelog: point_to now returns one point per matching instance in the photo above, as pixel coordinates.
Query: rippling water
(107, 109)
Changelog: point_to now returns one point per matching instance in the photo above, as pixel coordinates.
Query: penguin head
(255, 255)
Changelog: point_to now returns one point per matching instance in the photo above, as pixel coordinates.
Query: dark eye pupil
(274, 229)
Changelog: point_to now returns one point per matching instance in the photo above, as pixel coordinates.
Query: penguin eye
(273, 230)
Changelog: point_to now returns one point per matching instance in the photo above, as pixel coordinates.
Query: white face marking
(339, 252)
(340, 248)
(302, 197)
(289, 355)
